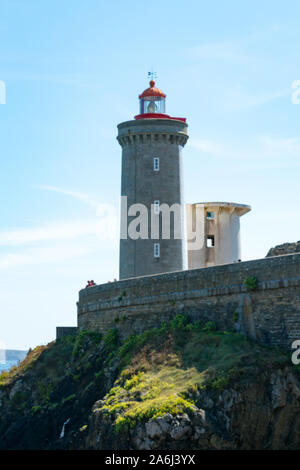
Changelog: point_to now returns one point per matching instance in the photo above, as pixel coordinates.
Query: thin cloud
(58, 231)
(206, 146)
(49, 254)
(273, 151)
(76, 195)
(224, 51)
(235, 49)
(238, 99)
(288, 147)
(237, 55)
(101, 208)
(55, 242)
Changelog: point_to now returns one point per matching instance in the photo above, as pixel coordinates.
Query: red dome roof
(152, 91)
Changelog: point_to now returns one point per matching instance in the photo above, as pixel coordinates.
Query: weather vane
(152, 75)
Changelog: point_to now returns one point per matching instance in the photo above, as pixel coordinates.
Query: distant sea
(10, 357)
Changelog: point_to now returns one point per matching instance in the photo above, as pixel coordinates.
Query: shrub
(251, 283)
(68, 399)
(172, 404)
(45, 390)
(179, 322)
(99, 375)
(3, 375)
(19, 400)
(111, 339)
(122, 295)
(235, 317)
(36, 408)
(83, 338)
(68, 340)
(209, 326)
(220, 382)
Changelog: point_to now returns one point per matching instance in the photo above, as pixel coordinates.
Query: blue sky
(73, 70)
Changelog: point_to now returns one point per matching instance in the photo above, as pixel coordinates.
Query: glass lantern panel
(152, 104)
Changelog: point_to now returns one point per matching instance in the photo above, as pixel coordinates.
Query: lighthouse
(152, 189)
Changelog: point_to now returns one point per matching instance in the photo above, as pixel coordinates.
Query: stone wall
(269, 314)
(62, 331)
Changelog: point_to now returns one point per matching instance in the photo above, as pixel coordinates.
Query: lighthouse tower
(152, 146)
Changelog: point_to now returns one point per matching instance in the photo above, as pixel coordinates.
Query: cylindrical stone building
(213, 233)
(151, 183)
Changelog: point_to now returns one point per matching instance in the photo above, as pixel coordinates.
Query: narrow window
(156, 207)
(210, 215)
(210, 241)
(156, 164)
(156, 250)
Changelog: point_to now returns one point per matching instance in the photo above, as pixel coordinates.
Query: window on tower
(156, 249)
(210, 241)
(156, 207)
(156, 164)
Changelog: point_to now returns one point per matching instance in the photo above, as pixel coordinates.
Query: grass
(32, 356)
(168, 369)
(161, 370)
(81, 338)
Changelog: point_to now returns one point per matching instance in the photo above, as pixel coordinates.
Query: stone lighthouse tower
(151, 189)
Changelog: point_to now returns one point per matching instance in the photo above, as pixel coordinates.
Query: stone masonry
(141, 141)
(269, 314)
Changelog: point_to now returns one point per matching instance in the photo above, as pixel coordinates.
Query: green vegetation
(122, 296)
(28, 361)
(251, 283)
(111, 340)
(44, 390)
(68, 398)
(235, 317)
(81, 338)
(36, 408)
(209, 326)
(296, 368)
(163, 370)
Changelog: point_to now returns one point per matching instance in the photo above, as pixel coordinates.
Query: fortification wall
(62, 331)
(269, 314)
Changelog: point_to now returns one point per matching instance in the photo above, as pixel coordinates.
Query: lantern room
(152, 100)
(153, 104)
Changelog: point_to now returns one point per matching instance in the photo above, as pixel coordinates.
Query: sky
(71, 71)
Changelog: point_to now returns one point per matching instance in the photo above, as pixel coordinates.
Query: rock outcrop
(263, 414)
(284, 249)
(183, 386)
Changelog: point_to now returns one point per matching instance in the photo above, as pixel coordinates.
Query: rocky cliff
(182, 386)
(10, 357)
(285, 249)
